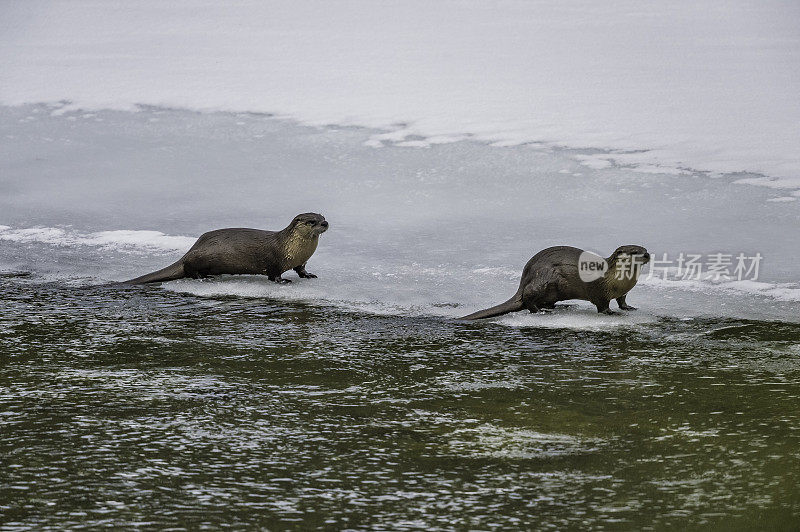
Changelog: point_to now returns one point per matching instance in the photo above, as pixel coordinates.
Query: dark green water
(144, 407)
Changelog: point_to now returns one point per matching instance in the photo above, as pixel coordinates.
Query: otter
(247, 251)
(555, 274)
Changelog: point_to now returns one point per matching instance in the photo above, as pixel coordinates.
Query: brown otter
(559, 273)
(248, 251)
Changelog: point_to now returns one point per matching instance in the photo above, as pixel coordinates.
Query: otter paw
(310, 276)
(281, 280)
(627, 307)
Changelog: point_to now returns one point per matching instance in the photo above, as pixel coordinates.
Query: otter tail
(170, 273)
(512, 305)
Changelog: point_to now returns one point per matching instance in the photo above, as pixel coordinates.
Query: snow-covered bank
(711, 86)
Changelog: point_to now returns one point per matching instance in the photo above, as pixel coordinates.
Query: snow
(709, 86)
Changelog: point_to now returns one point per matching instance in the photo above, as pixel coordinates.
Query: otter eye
(311, 222)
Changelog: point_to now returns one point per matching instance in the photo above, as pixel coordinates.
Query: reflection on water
(147, 407)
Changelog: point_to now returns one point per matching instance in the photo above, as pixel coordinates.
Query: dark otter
(248, 251)
(558, 273)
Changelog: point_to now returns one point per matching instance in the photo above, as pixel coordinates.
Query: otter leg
(531, 306)
(195, 267)
(623, 305)
(301, 271)
(194, 274)
(278, 279)
(602, 307)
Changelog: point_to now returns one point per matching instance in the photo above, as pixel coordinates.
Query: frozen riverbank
(663, 86)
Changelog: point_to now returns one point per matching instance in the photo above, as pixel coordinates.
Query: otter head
(308, 225)
(637, 254)
(630, 257)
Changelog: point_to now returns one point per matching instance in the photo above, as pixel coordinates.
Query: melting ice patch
(335, 287)
(576, 316)
(121, 240)
(777, 291)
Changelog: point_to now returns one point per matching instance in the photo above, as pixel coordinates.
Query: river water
(355, 400)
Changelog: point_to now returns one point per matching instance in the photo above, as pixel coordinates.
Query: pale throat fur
(298, 248)
(621, 277)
